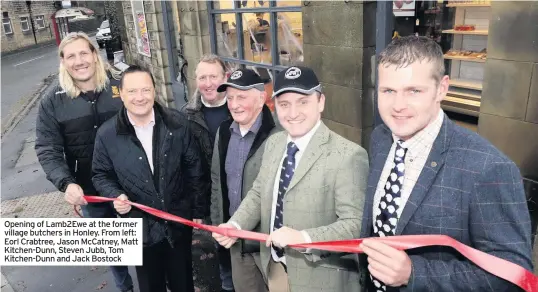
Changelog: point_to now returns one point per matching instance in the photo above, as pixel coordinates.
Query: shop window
(265, 36)
(25, 25)
(40, 21)
(6, 23)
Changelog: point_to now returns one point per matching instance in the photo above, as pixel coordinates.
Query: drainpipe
(177, 86)
(31, 19)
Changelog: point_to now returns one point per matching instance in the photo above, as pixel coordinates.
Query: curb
(5, 286)
(16, 117)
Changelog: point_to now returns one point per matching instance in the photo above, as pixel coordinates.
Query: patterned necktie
(386, 215)
(286, 173)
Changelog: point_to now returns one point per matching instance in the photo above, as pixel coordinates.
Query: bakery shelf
(469, 84)
(465, 58)
(461, 105)
(469, 5)
(471, 96)
(469, 32)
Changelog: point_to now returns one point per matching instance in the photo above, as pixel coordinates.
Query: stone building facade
(26, 23)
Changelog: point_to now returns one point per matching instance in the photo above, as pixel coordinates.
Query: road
(22, 75)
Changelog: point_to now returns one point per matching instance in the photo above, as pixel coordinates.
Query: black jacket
(200, 130)
(65, 134)
(179, 183)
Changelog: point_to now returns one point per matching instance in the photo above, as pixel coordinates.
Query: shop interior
(461, 29)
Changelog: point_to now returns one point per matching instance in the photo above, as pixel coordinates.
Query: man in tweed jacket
(430, 176)
(319, 191)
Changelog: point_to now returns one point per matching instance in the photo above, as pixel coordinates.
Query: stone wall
(20, 39)
(194, 33)
(158, 63)
(339, 45)
(509, 109)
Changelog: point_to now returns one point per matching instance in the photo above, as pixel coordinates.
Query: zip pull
(76, 165)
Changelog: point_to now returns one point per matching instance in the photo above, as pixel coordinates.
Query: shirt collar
(424, 139)
(206, 104)
(151, 122)
(253, 129)
(303, 141)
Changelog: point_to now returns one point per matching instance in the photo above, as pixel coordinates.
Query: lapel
(312, 153)
(433, 165)
(380, 148)
(276, 148)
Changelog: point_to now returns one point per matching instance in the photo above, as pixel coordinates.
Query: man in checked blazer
(430, 176)
(310, 188)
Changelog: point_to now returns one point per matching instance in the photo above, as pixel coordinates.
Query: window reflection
(251, 4)
(290, 38)
(257, 37)
(282, 3)
(225, 29)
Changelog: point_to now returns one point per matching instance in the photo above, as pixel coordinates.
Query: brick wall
(20, 39)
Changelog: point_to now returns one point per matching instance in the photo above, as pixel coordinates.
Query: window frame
(10, 25)
(27, 23)
(272, 10)
(37, 21)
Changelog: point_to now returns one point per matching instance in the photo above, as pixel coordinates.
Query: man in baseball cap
(312, 189)
(239, 147)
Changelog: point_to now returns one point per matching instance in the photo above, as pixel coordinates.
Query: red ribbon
(494, 265)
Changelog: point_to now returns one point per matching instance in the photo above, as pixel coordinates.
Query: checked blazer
(467, 190)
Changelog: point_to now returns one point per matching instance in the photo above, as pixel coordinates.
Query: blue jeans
(123, 280)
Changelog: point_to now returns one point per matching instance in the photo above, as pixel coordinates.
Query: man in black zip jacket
(67, 123)
(148, 155)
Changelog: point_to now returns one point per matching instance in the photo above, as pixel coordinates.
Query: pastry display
(464, 27)
(466, 53)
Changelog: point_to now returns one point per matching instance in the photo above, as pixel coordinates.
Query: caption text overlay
(71, 242)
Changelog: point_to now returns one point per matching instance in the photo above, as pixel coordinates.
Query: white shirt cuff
(307, 240)
(235, 224)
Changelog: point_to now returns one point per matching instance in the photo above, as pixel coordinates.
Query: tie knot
(400, 152)
(292, 149)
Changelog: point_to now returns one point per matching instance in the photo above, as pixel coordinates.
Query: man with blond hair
(67, 124)
(206, 110)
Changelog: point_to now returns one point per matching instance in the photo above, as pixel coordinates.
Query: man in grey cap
(237, 155)
(311, 189)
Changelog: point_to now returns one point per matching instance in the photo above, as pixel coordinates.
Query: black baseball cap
(243, 79)
(297, 79)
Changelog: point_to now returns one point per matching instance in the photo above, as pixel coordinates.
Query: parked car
(103, 34)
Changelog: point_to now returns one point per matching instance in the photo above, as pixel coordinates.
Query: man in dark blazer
(430, 176)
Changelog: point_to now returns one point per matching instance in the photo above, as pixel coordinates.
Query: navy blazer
(467, 190)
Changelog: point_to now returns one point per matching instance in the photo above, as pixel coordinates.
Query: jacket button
(165, 155)
(95, 126)
(162, 201)
(140, 157)
(147, 181)
(170, 133)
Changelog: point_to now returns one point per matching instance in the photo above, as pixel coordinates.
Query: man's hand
(285, 236)
(74, 195)
(120, 206)
(225, 241)
(391, 266)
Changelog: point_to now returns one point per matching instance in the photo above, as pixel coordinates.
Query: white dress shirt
(418, 150)
(301, 143)
(144, 133)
